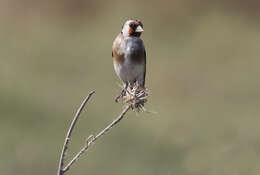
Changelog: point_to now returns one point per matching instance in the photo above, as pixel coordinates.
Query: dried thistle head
(135, 96)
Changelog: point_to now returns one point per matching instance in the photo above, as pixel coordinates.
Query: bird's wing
(116, 55)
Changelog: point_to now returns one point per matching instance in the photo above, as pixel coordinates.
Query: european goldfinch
(129, 56)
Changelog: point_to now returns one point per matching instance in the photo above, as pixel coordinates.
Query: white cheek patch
(125, 30)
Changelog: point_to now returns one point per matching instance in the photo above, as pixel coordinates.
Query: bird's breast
(134, 52)
(128, 52)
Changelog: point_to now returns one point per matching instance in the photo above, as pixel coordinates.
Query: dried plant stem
(67, 139)
(95, 138)
(91, 139)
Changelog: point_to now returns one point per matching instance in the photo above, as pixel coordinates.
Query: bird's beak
(139, 29)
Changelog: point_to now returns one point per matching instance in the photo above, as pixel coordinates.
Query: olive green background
(202, 71)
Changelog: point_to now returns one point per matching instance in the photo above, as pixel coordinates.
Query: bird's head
(132, 28)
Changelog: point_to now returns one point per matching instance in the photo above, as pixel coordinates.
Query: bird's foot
(121, 95)
(117, 98)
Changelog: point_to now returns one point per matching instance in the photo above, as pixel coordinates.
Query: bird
(129, 55)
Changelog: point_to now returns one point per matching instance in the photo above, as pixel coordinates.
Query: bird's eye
(132, 25)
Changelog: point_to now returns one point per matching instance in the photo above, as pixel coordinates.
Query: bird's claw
(117, 98)
(120, 95)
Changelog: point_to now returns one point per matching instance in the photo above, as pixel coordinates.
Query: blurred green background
(202, 71)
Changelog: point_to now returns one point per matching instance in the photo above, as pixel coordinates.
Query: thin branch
(91, 140)
(67, 139)
(133, 99)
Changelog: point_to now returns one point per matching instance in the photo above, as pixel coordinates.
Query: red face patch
(130, 31)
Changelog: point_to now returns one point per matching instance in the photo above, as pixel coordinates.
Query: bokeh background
(202, 71)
